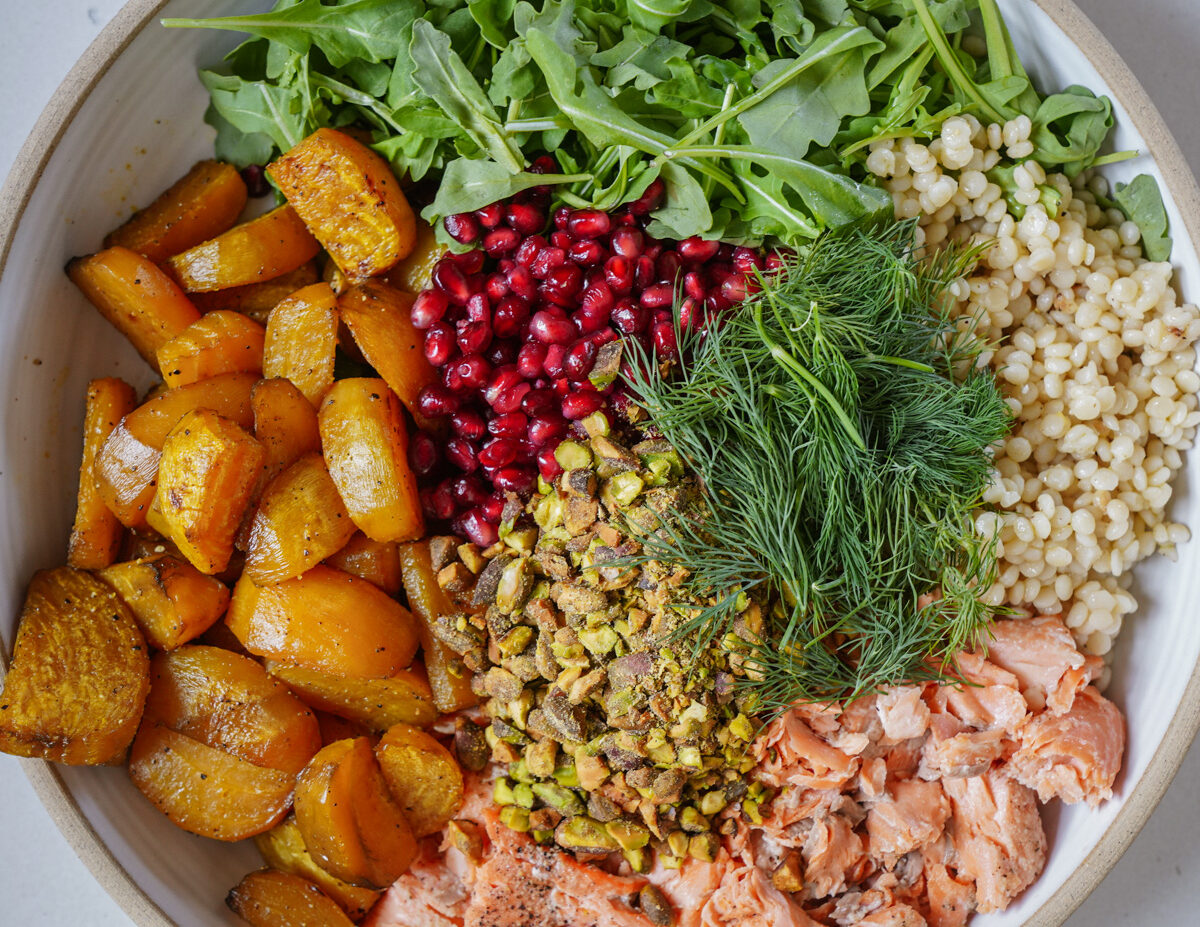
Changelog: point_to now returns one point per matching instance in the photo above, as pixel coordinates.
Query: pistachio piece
(630, 835)
(455, 578)
(544, 819)
(489, 580)
(580, 482)
(704, 847)
(641, 778)
(540, 758)
(577, 598)
(571, 455)
(501, 684)
(567, 719)
(592, 771)
(655, 906)
(692, 820)
(580, 515)
(507, 733)
(668, 786)
(597, 423)
(466, 837)
(583, 687)
(442, 551)
(677, 842)
(584, 833)
(560, 799)
(516, 640)
(600, 640)
(514, 585)
(470, 745)
(602, 808)
(789, 874)
(515, 818)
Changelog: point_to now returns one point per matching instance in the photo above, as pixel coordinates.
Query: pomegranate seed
(588, 321)
(543, 431)
(529, 249)
(539, 402)
(734, 288)
(587, 253)
(698, 250)
(473, 372)
(561, 386)
(463, 227)
(579, 360)
(546, 260)
(500, 241)
(548, 465)
(510, 399)
(469, 424)
(476, 529)
(430, 306)
(450, 375)
(715, 303)
(525, 218)
(562, 284)
(774, 261)
(490, 216)
(255, 179)
(725, 252)
(693, 285)
(589, 223)
(529, 359)
(663, 334)
(746, 260)
(449, 277)
(478, 308)
(691, 313)
(502, 353)
(443, 501)
(560, 239)
(581, 403)
(422, 454)
(603, 337)
(435, 400)
(597, 298)
(668, 266)
(626, 218)
(469, 491)
(553, 364)
(545, 164)
(561, 216)
(644, 271)
(628, 242)
(551, 328)
(629, 317)
(521, 282)
(618, 273)
(650, 200)
(510, 317)
(463, 454)
(510, 425)
(471, 261)
(520, 480)
(496, 287)
(657, 296)
(474, 337)
(499, 452)
(439, 343)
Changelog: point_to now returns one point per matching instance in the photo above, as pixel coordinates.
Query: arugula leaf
(1142, 202)
(471, 183)
(1070, 127)
(257, 107)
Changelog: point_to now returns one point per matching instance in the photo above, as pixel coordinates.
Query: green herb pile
(757, 114)
(841, 430)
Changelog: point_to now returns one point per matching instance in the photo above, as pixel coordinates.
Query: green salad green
(756, 114)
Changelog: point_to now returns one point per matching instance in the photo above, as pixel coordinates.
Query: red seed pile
(514, 327)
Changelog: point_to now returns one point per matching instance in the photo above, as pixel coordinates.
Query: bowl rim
(136, 15)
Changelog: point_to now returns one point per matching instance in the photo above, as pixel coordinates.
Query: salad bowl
(129, 119)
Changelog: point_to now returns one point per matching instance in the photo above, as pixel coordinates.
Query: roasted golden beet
(415, 272)
(79, 673)
(349, 199)
(285, 424)
(380, 320)
(449, 679)
(256, 300)
(206, 790)
(253, 252)
(271, 898)
(207, 474)
(302, 337)
(325, 620)
(300, 520)
(171, 600)
(282, 847)
(139, 299)
(378, 563)
(350, 823)
(366, 446)
(229, 702)
(203, 203)
(96, 534)
(220, 342)
(423, 777)
(377, 704)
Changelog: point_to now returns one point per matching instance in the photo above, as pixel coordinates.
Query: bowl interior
(136, 131)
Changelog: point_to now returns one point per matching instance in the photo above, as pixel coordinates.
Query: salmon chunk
(1042, 654)
(746, 898)
(791, 754)
(910, 816)
(1074, 756)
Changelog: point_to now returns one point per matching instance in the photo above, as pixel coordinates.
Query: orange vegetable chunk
(285, 424)
(256, 300)
(208, 471)
(423, 777)
(300, 520)
(203, 203)
(220, 342)
(261, 249)
(325, 620)
(348, 197)
(79, 673)
(140, 300)
(282, 847)
(378, 704)
(415, 272)
(270, 898)
(366, 446)
(127, 465)
(171, 600)
(449, 679)
(302, 337)
(229, 702)
(380, 321)
(377, 563)
(205, 790)
(352, 826)
(97, 533)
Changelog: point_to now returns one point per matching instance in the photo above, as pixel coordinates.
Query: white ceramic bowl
(128, 121)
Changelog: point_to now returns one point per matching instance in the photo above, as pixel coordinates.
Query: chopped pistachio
(678, 842)
(750, 810)
(455, 578)
(584, 833)
(548, 511)
(599, 640)
(712, 802)
(572, 455)
(515, 818)
(470, 555)
(502, 792)
(704, 847)
(564, 801)
(519, 708)
(580, 482)
(789, 874)
(567, 776)
(514, 586)
(596, 424)
(521, 540)
(692, 820)
(516, 640)
(523, 794)
(540, 757)
(442, 551)
(689, 756)
(592, 771)
(655, 906)
(631, 836)
(470, 745)
(465, 836)
(638, 859)
(520, 771)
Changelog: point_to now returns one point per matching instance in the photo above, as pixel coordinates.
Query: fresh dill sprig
(840, 428)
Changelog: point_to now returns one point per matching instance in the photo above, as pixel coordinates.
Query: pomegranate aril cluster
(524, 331)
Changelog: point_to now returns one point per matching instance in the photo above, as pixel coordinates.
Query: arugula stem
(950, 62)
(999, 64)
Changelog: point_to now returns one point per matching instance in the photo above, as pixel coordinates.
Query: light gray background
(42, 884)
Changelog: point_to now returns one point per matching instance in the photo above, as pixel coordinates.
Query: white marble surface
(43, 884)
